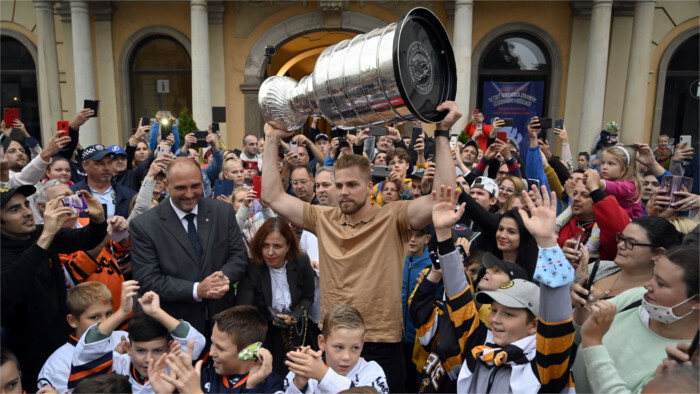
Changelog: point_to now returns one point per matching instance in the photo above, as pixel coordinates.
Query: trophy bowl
(400, 72)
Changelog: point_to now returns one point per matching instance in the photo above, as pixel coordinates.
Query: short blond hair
(361, 162)
(86, 294)
(342, 316)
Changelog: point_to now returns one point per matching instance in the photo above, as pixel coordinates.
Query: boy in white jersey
(341, 341)
(149, 334)
(87, 304)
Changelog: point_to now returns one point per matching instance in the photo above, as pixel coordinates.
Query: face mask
(664, 314)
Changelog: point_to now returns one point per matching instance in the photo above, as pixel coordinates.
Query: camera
(343, 141)
(270, 51)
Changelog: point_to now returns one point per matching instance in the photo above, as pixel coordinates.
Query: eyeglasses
(502, 173)
(302, 181)
(504, 189)
(629, 244)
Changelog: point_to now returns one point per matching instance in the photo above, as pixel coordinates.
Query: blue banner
(517, 100)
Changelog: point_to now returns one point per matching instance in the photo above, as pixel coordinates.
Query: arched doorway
(160, 72)
(18, 83)
(278, 36)
(681, 89)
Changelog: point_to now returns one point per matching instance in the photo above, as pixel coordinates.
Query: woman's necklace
(610, 290)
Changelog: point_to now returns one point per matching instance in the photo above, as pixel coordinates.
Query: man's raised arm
(421, 208)
(272, 192)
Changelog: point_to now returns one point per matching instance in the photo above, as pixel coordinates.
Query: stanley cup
(400, 72)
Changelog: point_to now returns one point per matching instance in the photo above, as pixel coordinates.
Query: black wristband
(442, 133)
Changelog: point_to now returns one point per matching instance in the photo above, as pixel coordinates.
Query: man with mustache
(97, 162)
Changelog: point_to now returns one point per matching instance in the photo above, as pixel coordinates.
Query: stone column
(201, 73)
(462, 44)
(47, 65)
(634, 105)
(107, 77)
(594, 79)
(84, 67)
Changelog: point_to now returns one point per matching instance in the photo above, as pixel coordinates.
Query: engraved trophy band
(400, 72)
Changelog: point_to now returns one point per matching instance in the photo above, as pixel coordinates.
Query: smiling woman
(639, 248)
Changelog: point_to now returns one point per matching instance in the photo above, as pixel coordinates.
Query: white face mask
(664, 314)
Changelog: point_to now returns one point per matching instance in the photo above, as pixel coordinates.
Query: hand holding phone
(93, 105)
(62, 126)
(257, 186)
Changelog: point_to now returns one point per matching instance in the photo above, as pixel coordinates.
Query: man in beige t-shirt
(361, 245)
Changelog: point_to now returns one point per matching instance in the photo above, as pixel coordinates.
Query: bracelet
(442, 133)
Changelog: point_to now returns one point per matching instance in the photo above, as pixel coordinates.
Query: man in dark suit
(188, 249)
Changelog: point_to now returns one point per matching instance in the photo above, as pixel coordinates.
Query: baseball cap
(418, 173)
(460, 230)
(513, 270)
(9, 192)
(321, 136)
(117, 150)
(486, 183)
(96, 152)
(516, 293)
(472, 143)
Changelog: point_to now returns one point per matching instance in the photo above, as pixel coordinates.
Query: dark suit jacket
(256, 287)
(164, 260)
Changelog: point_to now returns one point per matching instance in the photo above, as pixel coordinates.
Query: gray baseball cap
(516, 293)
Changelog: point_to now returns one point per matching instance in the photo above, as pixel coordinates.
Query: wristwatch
(442, 133)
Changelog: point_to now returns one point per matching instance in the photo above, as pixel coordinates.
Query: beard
(351, 207)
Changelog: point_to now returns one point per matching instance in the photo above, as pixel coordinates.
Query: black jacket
(34, 294)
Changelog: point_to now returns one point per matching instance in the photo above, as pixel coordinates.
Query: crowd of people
(369, 261)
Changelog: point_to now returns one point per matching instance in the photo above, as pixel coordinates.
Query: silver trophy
(396, 73)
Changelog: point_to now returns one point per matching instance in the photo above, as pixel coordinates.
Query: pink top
(625, 191)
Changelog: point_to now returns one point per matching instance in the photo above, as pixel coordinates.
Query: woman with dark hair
(515, 244)
(639, 247)
(280, 283)
(625, 338)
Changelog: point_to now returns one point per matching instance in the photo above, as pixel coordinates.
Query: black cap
(321, 136)
(96, 152)
(513, 270)
(9, 192)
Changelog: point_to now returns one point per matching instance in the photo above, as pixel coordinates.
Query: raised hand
(129, 290)
(453, 115)
(94, 207)
(150, 302)
(543, 214)
(260, 370)
(444, 213)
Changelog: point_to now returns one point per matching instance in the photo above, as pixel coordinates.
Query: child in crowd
(618, 169)
(662, 153)
(437, 348)
(150, 332)
(234, 330)
(87, 304)
(341, 341)
(10, 374)
(521, 352)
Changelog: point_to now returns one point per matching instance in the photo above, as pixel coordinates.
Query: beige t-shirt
(362, 265)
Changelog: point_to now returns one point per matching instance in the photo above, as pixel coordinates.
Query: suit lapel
(292, 281)
(174, 226)
(266, 284)
(205, 221)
